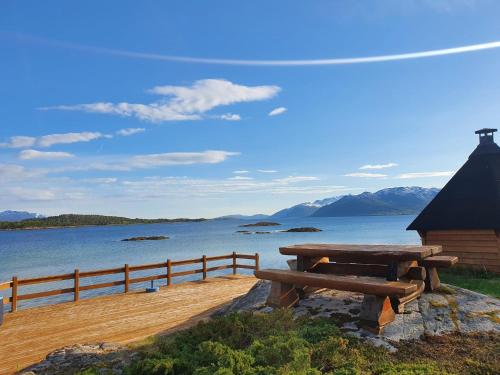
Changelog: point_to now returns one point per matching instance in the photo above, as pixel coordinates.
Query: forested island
(74, 220)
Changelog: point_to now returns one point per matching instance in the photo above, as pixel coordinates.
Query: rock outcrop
(447, 310)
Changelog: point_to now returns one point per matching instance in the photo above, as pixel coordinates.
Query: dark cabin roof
(471, 199)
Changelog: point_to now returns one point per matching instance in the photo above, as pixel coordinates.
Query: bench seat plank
(366, 285)
(440, 261)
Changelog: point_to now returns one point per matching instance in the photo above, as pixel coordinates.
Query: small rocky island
(150, 238)
(302, 229)
(261, 224)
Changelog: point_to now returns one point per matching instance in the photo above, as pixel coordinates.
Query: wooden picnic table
(391, 261)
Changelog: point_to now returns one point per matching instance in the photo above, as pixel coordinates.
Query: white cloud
(425, 174)
(294, 179)
(29, 194)
(366, 175)
(180, 158)
(181, 102)
(34, 154)
(52, 139)
(19, 141)
(102, 180)
(66, 138)
(14, 172)
(277, 111)
(379, 166)
(130, 131)
(230, 117)
(240, 172)
(240, 178)
(267, 171)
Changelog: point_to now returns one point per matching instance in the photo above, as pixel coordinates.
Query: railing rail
(126, 270)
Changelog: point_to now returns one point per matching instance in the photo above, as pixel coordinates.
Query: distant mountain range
(244, 217)
(303, 209)
(18, 215)
(390, 201)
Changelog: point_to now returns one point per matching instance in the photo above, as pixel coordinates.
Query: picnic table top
(363, 253)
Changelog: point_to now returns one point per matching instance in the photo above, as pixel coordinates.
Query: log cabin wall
(475, 248)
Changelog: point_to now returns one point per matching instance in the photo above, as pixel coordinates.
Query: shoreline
(101, 225)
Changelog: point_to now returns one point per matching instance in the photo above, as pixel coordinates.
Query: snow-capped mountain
(18, 215)
(390, 201)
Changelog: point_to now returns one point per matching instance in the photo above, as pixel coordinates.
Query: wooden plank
(460, 231)
(470, 249)
(185, 273)
(186, 262)
(146, 278)
(220, 257)
(127, 278)
(257, 261)
(366, 285)
(245, 266)
(13, 305)
(76, 286)
(439, 261)
(362, 253)
(169, 272)
(218, 268)
(358, 269)
(204, 270)
(102, 285)
(234, 263)
(47, 293)
(45, 279)
(109, 271)
(243, 256)
(485, 258)
(28, 335)
(151, 266)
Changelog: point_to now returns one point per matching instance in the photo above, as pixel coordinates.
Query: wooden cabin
(465, 216)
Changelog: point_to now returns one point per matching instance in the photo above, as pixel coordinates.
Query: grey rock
(448, 310)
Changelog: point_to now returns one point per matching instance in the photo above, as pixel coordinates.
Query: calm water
(53, 251)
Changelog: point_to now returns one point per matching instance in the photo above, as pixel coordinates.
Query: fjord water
(31, 253)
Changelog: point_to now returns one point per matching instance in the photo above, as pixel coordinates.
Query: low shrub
(278, 344)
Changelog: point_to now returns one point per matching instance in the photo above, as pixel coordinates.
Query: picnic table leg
(282, 295)
(432, 281)
(392, 271)
(377, 312)
(302, 264)
(396, 269)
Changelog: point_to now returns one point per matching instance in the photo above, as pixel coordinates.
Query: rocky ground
(109, 358)
(450, 310)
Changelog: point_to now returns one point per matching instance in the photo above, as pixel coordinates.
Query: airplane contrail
(244, 62)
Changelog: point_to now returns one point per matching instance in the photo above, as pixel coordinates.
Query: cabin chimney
(487, 144)
(486, 135)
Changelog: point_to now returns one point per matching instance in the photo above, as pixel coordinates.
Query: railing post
(256, 261)
(13, 305)
(169, 272)
(127, 278)
(234, 263)
(77, 285)
(204, 259)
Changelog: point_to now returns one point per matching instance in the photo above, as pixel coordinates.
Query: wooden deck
(27, 336)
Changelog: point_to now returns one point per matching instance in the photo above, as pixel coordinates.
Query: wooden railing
(127, 279)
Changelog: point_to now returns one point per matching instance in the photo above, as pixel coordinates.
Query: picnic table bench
(389, 276)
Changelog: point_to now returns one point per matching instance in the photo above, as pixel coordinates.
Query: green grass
(277, 344)
(477, 280)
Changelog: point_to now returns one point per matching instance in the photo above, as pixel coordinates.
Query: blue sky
(95, 119)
